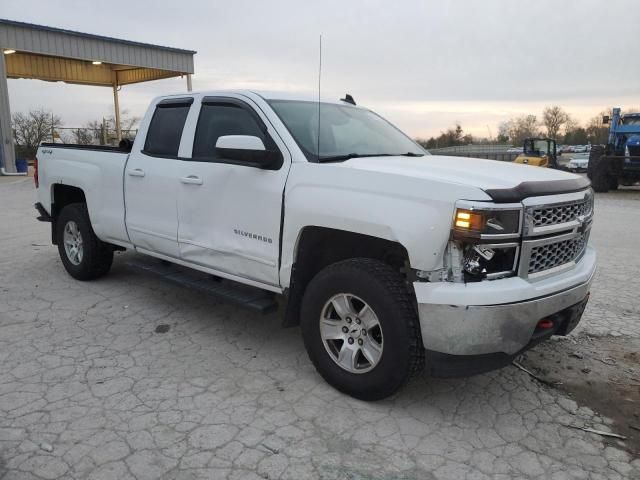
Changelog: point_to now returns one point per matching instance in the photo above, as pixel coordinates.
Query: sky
(422, 64)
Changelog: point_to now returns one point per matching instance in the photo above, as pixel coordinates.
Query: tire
(598, 170)
(91, 257)
(397, 335)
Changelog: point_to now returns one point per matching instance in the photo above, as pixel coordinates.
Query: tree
(519, 128)
(127, 124)
(570, 125)
(575, 134)
(553, 118)
(104, 131)
(449, 138)
(452, 137)
(503, 132)
(98, 131)
(82, 136)
(597, 132)
(32, 128)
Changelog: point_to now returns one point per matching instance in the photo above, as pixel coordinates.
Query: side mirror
(605, 119)
(246, 149)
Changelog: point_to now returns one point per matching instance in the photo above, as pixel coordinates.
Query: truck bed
(97, 170)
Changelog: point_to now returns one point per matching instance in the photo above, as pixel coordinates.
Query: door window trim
(173, 102)
(225, 101)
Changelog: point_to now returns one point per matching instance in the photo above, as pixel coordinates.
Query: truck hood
(503, 181)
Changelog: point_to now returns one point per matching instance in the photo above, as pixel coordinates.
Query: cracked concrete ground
(88, 389)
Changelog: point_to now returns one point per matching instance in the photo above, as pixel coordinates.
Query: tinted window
(165, 130)
(217, 120)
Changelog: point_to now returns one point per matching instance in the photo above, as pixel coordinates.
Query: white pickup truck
(388, 258)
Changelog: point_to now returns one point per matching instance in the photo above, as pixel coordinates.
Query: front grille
(554, 215)
(553, 255)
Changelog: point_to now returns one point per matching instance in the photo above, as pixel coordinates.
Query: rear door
(230, 213)
(151, 180)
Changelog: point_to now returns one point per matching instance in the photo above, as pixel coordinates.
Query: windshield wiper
(349, 156)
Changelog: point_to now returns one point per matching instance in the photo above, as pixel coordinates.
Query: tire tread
(597, 170)
(97, 254)
(394, 283)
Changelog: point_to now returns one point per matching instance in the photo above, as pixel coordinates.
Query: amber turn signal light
(469, 220)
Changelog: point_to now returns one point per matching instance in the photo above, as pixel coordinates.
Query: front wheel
(360, 328)
(83, 255)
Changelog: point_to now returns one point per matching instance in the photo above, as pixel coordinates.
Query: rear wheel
(598, 170)
(83, 255)
(360, 328)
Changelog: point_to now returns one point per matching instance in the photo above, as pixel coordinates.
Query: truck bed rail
(100, 148)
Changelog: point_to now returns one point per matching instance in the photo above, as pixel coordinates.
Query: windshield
(345, 131)
(631, 120)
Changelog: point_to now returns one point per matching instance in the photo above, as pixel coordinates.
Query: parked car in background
(579, 163)
(566, 149)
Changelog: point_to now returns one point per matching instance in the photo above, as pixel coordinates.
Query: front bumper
(499, 316)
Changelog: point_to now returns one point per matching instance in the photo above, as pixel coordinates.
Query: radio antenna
(319, 89)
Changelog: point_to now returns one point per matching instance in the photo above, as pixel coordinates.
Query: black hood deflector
(535, 189)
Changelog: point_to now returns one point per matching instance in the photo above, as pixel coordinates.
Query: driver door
(230, 212)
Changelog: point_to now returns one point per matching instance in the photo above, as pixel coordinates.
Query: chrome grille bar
(556, 231)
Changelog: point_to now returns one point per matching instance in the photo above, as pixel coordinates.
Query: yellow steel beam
(56, 69)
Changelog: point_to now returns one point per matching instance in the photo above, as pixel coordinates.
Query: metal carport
(57, 55)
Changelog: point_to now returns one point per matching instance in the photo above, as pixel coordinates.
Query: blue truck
(617, 162)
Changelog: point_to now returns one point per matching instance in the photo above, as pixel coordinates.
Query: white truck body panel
(229, 204)
(150, 193)
(396, 207)
(99, 175)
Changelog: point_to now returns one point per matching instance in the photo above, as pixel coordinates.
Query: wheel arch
(317, 247)
(61, 196)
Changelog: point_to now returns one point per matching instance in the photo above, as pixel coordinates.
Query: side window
(219, 119)
(165, 129)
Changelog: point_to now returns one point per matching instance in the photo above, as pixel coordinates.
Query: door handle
(137, 172)
(191, 180)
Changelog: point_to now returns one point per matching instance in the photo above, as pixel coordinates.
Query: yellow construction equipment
(539, 152)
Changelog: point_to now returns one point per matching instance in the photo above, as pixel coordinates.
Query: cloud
(422, 64)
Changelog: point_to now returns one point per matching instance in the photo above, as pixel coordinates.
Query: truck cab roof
(264, 94)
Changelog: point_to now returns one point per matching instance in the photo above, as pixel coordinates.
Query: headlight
(484, 242)
(476, 222)
(489, 261)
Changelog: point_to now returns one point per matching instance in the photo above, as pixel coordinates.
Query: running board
(227, 290)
